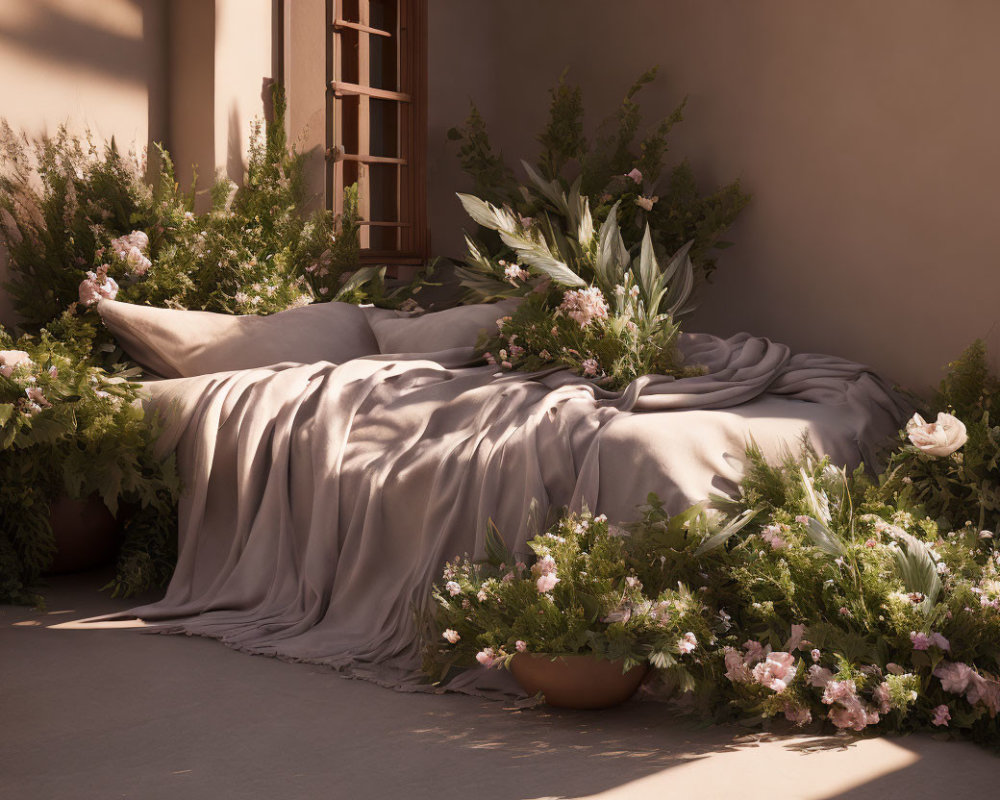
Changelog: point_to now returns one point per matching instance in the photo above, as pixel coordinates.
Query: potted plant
(75, 447)
(570, 620)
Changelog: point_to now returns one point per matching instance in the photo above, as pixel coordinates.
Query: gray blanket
(322, 500)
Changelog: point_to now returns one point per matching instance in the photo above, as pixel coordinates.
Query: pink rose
(776, 671)
(453, 588)
(635, 175)
(941, 715)
(797, 715)
(921, 641)
(754, 652)
(736, 670)
(955, 677)
(546, 583)
(819, 676)
(486, 657)
(881, 697)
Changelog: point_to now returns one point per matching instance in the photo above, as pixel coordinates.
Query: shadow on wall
(112, 46)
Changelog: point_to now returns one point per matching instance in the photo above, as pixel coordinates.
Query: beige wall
(91, 65)
(866, 132)
(188, 73)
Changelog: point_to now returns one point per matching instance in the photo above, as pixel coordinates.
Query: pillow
(438, 330)
(181, 344)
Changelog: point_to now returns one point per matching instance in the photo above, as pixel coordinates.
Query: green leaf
(6, 412)
(917, 568)
(824, 538)
(732, 528)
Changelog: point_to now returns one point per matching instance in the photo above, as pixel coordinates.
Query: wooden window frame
(410, 95)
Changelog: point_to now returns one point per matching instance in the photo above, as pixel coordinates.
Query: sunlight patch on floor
(801, 768)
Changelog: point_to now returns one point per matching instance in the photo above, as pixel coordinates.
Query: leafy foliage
(69, 209)
(71, 429)
(621, 172)
(964, 487)
(577, 596)
(592, 308)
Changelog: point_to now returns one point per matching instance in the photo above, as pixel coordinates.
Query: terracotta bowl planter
(578, 681)
(86, 534)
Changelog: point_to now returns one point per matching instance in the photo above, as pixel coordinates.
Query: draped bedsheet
(322, 500)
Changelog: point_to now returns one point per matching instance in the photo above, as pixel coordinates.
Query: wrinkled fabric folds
(322, 500)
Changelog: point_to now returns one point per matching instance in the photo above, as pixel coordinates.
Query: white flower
(451, 636)
(11, 360)
(687, 643)
(940, 438)
(482, 596)
(646, 203)
(453, 588)
(546, 583)
(590, 367)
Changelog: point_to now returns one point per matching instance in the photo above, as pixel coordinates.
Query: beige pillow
(439, 330)
(181, 344)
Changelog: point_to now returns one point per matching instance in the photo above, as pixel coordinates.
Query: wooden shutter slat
(341, 89)
(340, 24)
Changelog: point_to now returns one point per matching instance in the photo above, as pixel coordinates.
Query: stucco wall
(866, 132)
(95, 65)
(188, 73)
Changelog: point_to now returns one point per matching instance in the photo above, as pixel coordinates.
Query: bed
(324, 491)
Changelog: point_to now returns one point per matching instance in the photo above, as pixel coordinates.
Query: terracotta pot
(579, 681)
(86, 534)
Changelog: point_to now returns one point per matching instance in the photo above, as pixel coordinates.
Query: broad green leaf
(824, 538)
(917, 568)
(6, 412)
(648, 268)
(733, 527)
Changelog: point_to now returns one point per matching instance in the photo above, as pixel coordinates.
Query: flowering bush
(952, 465)
(592, 308)
(617, 172)
(81, 225)
(816, 595)
(70, 429)
(575, 593)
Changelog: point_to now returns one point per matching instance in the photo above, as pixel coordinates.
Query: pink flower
(798, 631)
(819, 676)
(855, 716)
(815, 654)
(635, 175)
(772, 535)
(776, 671)
(546, 583)
(486, 657)
(894, 668)
(687, 643)
(481, 596)
(870, 543)
(938, 640)
(514, 273)
(453, 588)
(546, 565)
(590, 367)
(736, 670)
(520, 646)
(545, 355)
(36, 395)
(843, 692)
(941, 715)
(881, 697)
(451, 636)
(754, 652)
(11, 360)
(797, 714)
(921, 641)
(97, 286)
(802, 519)
(583, 306)
(955, 677)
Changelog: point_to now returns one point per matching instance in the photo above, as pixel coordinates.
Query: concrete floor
(120, 714)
